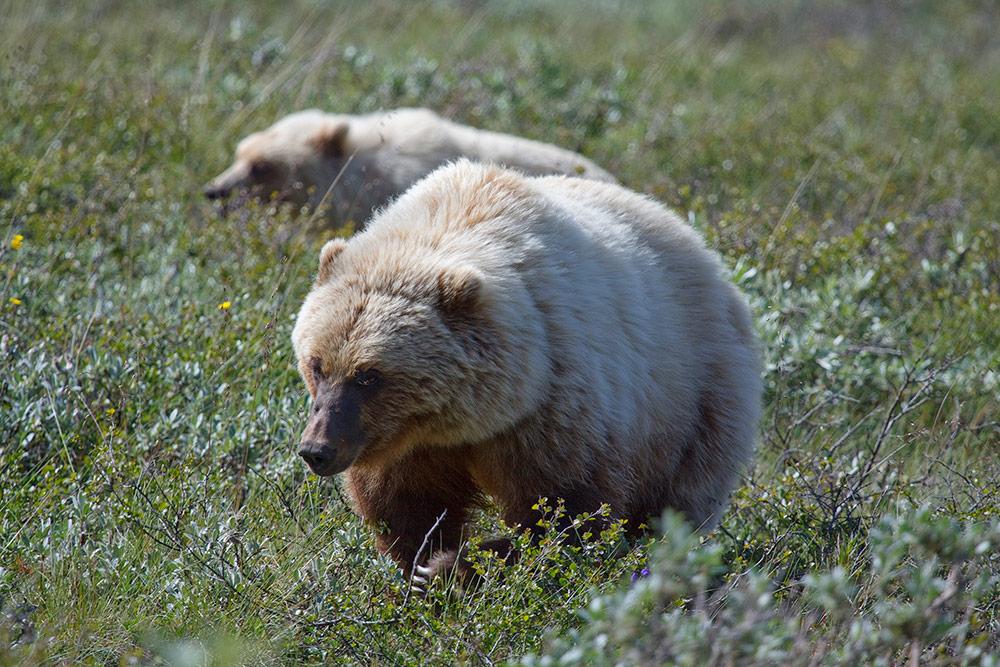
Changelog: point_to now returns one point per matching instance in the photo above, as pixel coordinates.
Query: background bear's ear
(331, 140)
(460, 289)
(329, 253)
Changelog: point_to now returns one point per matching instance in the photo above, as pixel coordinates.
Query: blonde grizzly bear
(348, 166)
(491, 334)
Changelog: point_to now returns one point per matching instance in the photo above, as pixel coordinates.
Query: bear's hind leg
(711, 466)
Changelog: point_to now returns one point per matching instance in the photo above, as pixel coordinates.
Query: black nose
(316, 457)
(215, 193)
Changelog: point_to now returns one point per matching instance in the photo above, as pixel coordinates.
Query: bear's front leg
(456, 561)
(524, 513)
(419, 506)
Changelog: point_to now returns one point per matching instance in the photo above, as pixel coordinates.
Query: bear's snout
(321, 460)
(235, 179)
(324, 459)
(333, 437)
(213, 191)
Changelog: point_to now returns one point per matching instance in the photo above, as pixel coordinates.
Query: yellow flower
(16, 242)
(15, 301)
(109, 411)
(225, 305)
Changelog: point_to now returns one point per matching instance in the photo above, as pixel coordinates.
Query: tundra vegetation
(843, 156)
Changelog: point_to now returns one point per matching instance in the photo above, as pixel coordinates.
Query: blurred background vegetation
(842, 155)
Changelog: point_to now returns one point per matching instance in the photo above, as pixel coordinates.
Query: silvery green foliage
(921, 598)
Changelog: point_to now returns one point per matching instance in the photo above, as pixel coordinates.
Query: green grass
(843, 156)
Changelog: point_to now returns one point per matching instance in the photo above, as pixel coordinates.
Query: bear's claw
(419, 579)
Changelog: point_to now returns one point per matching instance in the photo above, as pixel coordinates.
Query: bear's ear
(327, 256)
(460, 290)
(331, 140)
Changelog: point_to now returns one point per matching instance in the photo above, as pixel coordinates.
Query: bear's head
(421, 332)
(294, 160)
(390, 361)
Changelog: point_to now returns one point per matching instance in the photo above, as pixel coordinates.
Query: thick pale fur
(352, 164)
(546, 336)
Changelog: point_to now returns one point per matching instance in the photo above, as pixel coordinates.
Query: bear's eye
(366, 378)
(261, 169)
(316, 368)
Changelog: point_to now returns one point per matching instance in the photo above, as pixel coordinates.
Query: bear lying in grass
(491, 334)
(350, 165)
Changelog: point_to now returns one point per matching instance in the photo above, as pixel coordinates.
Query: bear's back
(416, 133)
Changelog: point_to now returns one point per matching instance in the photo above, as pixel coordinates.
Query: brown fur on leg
(419, 505)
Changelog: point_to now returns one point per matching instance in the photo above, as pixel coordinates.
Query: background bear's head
(294, 160)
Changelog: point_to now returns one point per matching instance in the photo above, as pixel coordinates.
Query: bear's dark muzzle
(215, 192)
(323, 460)
(333, 437)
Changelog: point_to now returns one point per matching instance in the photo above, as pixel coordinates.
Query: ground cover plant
(843, 156)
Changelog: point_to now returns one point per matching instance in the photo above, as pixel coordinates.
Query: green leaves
(917, 599)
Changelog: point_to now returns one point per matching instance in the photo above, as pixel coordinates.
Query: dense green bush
(921, 598)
